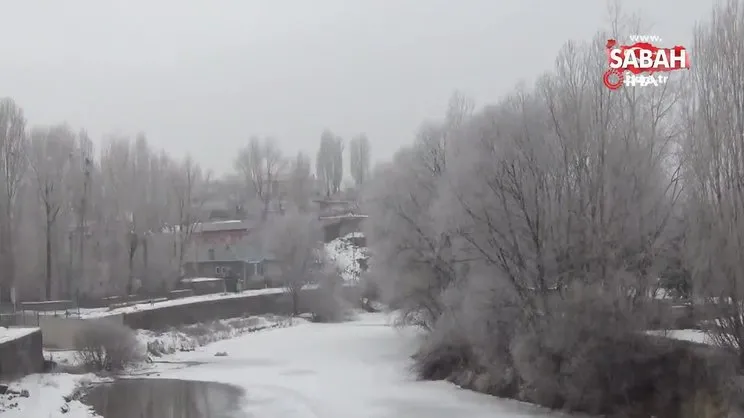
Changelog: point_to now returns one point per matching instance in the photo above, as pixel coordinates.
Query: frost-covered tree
(187, 190)
(301, 181)
(713, 147)
(260, 163)
(329, 165)
(50, 153)
(359, 159)
(13, 165)
(514, 232)
(294, 242)
(403, 229)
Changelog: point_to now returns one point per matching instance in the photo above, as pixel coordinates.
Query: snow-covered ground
(345, 254)
(99, 312)
(347, 370)
(43, 396)
(190, 337)
(48, 395)
(185, 337)
(355, 369)
(693, 335)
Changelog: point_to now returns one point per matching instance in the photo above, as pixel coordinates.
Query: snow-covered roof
(13, 333)
(201, 279)
(218, 226)
(343, 216)
(333, 202)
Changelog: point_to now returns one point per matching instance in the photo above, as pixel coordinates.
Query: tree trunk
(6, 255)
(145, 256)
(130, 279)
(265, 211)
(181, 249)
(81, 242)
(70, 265)
(295, 302)
(133, 241)
(48, 287)
(10, 266)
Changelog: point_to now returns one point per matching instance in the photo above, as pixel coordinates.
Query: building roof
(333, 202)
(201, 279)
(219, 226)
(344, 216)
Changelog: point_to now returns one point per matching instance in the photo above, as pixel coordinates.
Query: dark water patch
(165, 398)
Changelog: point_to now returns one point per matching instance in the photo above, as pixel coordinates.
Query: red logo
(639, 58)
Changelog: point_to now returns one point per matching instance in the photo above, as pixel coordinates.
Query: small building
(336, 226)
(328, 207)
(339, 218)
(230, 250)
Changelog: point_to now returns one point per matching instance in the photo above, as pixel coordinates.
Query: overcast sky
(201, 76)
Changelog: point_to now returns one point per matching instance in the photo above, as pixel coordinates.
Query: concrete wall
(21, 356)
(60, 332)
(210, 310)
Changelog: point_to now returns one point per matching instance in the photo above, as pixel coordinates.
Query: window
(211, 254)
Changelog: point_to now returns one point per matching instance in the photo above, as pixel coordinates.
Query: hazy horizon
(201, 80)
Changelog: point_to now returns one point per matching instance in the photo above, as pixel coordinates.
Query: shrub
(107, 346)
(329, 305)
(473, 355)
(370, 289)
(631, 375)
(592, 356)
(585, 351)
(445, 353)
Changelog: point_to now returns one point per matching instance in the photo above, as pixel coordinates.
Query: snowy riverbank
(353, 369)
(49, 395)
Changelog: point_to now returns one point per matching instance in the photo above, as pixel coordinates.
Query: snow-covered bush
(329, 305)
(107, 346)
(349, 258)
(189, 337)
